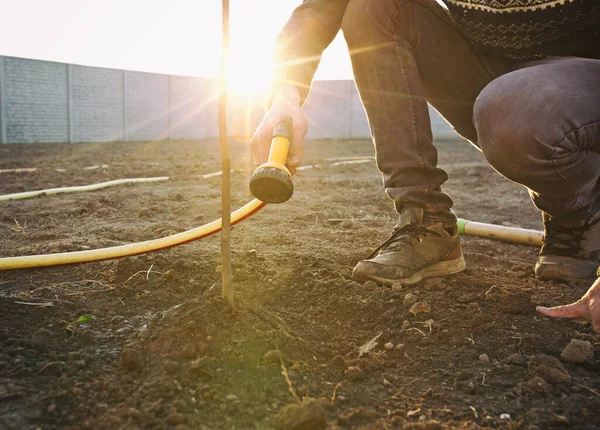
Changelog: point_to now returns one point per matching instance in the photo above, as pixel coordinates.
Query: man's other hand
(588, 308)
(285, 102)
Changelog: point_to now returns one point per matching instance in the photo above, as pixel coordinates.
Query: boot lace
(561, 240)
(406, 235)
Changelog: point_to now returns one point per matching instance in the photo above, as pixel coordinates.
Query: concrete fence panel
(35, 102)
(147, 106)
(97, 104)
(42, 101)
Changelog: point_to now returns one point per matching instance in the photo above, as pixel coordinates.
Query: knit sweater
(524, 29)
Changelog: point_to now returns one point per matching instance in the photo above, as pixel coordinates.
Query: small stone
(339, 361)
(370, 285)
(397, 286)
(409, 299)
(219, 269)
(537, 385)
(231, 397)
(505, 416)
(399, 347)
(578, 351)
(355, 373)
(405, 325)
(389, 346)
(549, 368)
(272, 356)
(309, 414)
(419, 307)
(484, 358)
(242, 275)
(131, 360)
(74, 356)
(468, 387)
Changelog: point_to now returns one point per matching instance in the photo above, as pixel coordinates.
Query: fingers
(294, 157)
(574, 310)
(261, 142)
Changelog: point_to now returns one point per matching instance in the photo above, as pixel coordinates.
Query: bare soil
(162, 349)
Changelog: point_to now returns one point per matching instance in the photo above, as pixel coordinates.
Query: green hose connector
(462, 223)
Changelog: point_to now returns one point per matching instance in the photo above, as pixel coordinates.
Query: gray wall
(42, 101)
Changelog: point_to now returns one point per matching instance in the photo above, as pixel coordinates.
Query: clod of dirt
(355, 373)
(53, 368)
(435, 284)
(74, 356)
(39, 339)
(405, 325)
(419, 308)
(339, 361)
(308, 415)
(205, 362)
(518, 303)
(397, 286)
(272, 356)
(515, 358)
(370, 285)
(175, 419)
(537, 385)
(549, 368)
(131, 360)
(431, 425)
(302, 390)
(578, 351)
(484, 358)
(241, 275)
(171, 366)
(409, 299)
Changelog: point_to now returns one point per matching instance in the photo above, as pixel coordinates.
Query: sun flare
(249, 73)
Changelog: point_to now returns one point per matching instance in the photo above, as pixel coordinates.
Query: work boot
(416, 250)
(570, 251)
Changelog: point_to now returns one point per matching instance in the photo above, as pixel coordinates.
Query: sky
(180, 37)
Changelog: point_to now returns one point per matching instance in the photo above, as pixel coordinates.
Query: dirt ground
(147, 341)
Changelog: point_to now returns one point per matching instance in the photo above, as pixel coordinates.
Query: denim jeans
(536, 122)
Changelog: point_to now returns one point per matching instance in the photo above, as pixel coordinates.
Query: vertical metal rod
(226, 162)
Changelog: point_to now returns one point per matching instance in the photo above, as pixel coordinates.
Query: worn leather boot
(413, 252)
(571, 250)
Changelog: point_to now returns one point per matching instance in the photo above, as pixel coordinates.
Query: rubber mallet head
(272, 181)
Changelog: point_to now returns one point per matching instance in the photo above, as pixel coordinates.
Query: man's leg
(405, 52)
(539, 126)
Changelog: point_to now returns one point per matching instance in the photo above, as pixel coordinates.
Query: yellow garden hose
(213, 227)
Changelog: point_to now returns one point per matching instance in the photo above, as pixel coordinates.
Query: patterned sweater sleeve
(311, 28)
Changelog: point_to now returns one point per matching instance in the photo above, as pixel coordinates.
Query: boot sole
(441, 268)
(559, 268)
